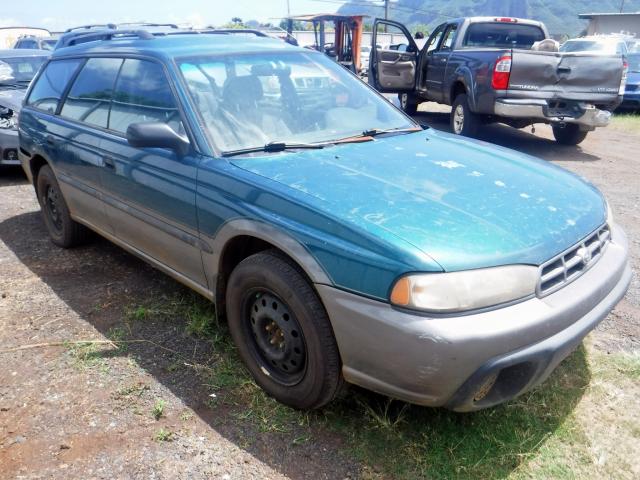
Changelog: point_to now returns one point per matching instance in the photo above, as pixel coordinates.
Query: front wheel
(463, 120)
(282, 331)
(569, 134)
(408, 103)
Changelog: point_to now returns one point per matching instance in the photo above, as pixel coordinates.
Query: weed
(186, 415)
(158, 409)
(163, 435)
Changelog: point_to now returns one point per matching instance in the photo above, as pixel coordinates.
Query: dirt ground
(69, 411)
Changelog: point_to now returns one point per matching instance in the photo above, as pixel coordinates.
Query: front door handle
(50, 140)
(109, 163)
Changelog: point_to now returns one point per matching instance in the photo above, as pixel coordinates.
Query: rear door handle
(109, 162)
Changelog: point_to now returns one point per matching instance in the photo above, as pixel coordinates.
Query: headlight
(466, 290)
(8, 119)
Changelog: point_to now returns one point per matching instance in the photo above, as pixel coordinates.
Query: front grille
(569, 265)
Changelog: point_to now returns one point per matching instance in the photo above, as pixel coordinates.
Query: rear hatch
(565, 76)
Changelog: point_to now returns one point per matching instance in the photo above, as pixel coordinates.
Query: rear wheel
(63, 230)
(282, 331)
(408, 103)
(569, 134)
(463, 120)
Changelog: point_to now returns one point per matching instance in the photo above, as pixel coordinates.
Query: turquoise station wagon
(342, 242)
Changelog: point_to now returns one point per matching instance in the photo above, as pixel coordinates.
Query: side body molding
(267, 233)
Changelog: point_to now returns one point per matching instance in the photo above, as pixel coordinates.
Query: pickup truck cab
(341, 241)
(485, 68)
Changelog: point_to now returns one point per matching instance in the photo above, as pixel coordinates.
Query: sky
(58, 15)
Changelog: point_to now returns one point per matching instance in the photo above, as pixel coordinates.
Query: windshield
(250, 100)
(634, 63)
(588, 46)
(19, 69)
(502, 35)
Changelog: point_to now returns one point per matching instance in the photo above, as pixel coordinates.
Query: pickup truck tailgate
(566, 76)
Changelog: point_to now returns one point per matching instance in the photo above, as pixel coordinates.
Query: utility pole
(386, 13)
(622, 6)
(288, 9)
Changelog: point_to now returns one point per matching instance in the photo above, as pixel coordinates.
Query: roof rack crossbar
(148, 24)
(110, 35)
(233, 31)
(110, 26)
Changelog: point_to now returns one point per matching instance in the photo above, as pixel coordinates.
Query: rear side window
(89, 98)
(502, 35)
(142, 94)
(51, 84)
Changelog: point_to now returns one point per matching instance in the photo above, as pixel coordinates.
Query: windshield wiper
(273, 147)
(374, 132)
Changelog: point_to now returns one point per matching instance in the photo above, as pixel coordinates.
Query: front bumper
(631, 101)
(9, 147)
(583, 114)
(447, 360)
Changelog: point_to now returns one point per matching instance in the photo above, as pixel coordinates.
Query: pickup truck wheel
(569, 134)
(63, 230)
(463, 120)
(408, 103)
(282, 331)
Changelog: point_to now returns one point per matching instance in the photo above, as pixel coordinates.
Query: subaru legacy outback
(342, 242)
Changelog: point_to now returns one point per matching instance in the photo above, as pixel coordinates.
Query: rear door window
(52, 83)
(143, 94)
(89, 98)
(502, 35)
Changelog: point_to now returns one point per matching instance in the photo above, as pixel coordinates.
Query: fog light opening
(11, 154)
(486, 387)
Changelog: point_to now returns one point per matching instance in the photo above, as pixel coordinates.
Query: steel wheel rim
(275, 337)
(52, 200)
(458, 119)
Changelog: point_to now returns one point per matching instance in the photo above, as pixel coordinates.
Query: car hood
(465, 203)
(12, 98)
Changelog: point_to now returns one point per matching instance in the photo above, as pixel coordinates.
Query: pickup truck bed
(465, 64)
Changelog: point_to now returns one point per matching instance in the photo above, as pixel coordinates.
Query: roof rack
(148, 24)
(234, 31)
(106, 35)
(110, 26)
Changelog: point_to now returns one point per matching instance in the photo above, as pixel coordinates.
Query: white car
(607, 45)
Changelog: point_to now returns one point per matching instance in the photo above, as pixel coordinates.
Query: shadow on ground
(12, 176)
(509, 137)
(116, 292)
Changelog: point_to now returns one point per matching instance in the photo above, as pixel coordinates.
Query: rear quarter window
(51, 84)
(502, 35)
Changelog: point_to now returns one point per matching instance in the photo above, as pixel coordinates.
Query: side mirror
(156, 135)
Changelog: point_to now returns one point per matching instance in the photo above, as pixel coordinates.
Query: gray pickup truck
(486, 69)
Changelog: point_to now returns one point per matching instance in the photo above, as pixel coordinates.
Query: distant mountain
(560, 16)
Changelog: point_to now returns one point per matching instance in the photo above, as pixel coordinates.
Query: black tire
(463, 121)
(408, 103)
(63, 230)
(304, 370)
(569, 134)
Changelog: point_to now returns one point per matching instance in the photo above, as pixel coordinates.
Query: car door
(68, 144)
(84, 115)
(437, 59)
(150, 193)
(392, 69)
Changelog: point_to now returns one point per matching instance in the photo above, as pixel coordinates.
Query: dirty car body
(17, 68)
(453, 272)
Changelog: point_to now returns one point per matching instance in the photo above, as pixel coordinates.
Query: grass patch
(581, 423)
(626, 121)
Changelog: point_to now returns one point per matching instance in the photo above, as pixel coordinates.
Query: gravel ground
(67, 413)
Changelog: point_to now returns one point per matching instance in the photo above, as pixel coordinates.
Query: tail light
(623, 80)
(501, 73)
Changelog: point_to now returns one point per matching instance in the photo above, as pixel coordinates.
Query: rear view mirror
(156, 135)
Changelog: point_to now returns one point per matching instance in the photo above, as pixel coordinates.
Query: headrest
(241, 91)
